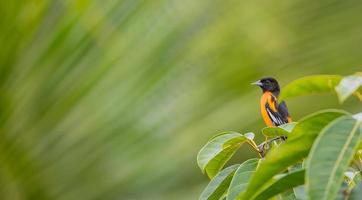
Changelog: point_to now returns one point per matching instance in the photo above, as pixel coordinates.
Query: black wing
(283, 109)
(280, 116)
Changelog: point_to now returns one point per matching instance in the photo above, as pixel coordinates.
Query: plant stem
(265, 146)
(255, 146)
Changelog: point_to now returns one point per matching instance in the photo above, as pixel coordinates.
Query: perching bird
(273, 114)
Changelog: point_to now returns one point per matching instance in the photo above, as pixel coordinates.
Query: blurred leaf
(330, 156)
(219, 184)
(282, 130)
(348, 86)
(293, 150)
(299, 191)
(342, 193)
(310, 85)
(283, 184)
(250, 136)
(288, 195)
(358, 116)
(241, 178)
(356, 193)
(214, 155)
(352, 177)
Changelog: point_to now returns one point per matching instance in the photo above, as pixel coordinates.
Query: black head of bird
(268, 85)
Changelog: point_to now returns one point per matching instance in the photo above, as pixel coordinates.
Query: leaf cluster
(320, 159)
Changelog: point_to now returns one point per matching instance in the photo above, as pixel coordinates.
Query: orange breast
(266, 98)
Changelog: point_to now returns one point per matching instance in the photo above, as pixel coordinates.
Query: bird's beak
(259, 83)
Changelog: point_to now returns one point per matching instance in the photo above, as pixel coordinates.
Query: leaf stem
(255, 146)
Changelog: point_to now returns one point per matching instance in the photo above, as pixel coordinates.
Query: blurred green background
(113, 99)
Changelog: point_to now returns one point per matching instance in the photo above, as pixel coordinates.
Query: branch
(265, 146)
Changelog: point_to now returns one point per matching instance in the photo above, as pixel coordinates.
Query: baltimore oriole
(273, 113)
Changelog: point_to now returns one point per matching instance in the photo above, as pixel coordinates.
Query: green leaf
(348, 86)
(358, 117)
(283, 184)
(219, 184)
(241, 178)
(282, 130)
(249, 135)
(214, 155)
(342, 193)
(299, 191)
(311, 85)
(330, 156)
(352, 177)
(293, 150)
(356, 193)
(288, 195)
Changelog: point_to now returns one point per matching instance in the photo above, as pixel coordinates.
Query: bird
(272, 112)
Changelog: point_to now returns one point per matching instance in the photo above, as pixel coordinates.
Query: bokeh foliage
(113, 99)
